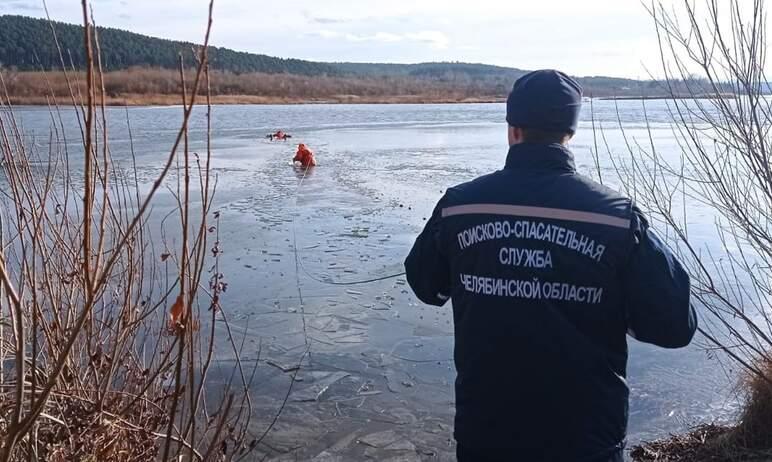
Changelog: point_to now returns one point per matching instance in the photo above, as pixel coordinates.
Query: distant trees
(28, 44)
(25, 86)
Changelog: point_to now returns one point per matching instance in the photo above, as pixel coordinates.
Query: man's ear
(514, 135)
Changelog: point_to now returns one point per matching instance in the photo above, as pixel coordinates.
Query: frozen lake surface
(378, 381)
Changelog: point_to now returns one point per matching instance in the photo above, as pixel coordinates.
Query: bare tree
(103, 352)
(714, 52)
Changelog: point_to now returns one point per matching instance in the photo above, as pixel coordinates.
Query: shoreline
(670, 97)
(233, 100)
(230, 100)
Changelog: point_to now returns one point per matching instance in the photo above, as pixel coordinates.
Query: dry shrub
(749, 440)
(85, 434)
(695, 445)
(147, 81)
(754, 430)
(103, 355)
(722, 162)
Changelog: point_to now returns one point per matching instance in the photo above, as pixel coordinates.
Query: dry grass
(755, 428)
(749, 440)
(695, 445)
(706, 443)
(74, 430)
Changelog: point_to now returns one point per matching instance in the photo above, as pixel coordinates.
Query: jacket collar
(540, 157)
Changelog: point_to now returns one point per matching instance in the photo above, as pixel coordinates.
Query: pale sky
(581, 37)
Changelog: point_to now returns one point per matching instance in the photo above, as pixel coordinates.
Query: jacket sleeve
(427, 267)
(656, 289)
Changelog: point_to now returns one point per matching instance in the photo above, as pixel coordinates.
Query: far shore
(671, 97)
(173, 100)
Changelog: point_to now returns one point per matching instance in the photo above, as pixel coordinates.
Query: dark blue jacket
(548, 271)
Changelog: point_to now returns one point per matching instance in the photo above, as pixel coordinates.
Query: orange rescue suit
(304, 156)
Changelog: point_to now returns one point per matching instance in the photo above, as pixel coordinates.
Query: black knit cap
(546, 100)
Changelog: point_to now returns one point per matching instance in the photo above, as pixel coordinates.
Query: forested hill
(27, 44)
(428, 70)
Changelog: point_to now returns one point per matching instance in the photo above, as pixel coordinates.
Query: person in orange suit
(304, 156)
(279, 135)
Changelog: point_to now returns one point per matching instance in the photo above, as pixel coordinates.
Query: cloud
(324, 19)
(320, 20)
(25, 6)
(435, 39)
(328, 34)
(383, 37)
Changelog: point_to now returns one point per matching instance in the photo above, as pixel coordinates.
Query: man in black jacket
(548, 272)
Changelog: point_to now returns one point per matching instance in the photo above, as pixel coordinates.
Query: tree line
(28, 44)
